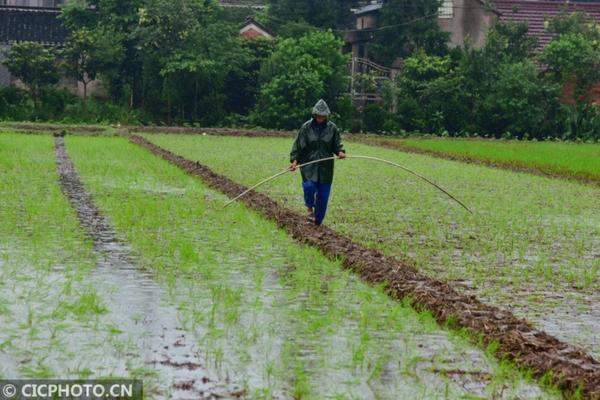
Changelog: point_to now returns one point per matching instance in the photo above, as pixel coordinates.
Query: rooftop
(537, 12)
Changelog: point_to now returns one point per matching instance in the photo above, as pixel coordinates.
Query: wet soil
(45, 128)
(139, 306)
(517, 339)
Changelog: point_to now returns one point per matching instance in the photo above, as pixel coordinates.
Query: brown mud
(139, 306)
(570, 368)
(45, 128)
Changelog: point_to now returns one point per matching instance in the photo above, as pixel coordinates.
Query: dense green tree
(407, 25)
(188, 55)
(573, 57)
(574, 53)
(34, 64)
(115, 20)
(334, 14)
(510, 41)
(87, 53)
(431, 94)
(299, 72)
(241, 87)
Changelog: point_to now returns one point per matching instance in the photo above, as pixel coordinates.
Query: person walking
(317, 138)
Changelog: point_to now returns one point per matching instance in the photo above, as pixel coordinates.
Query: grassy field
(279, 317)
(532, 245)
(570, 160)
(53, 304)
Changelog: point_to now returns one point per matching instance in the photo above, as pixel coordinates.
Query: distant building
(469, 20)
(465, 21)
(253, 29)
(28, 20)
(538, 13)
(32, 3)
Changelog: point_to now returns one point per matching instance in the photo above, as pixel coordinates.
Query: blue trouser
(316, 195)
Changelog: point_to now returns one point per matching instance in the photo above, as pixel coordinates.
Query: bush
(298, 73)
(15, 104)
(374, 118)
(581, 121)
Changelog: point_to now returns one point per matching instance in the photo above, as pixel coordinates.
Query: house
(462, 19)
(469, 20)
(253, 29)
(31, 3)
(466, 20)
(537, 13)
(28, 20)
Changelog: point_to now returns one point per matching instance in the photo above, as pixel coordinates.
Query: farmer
(318, 138)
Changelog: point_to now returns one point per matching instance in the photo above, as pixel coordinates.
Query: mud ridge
(570, 367)
(160, 339)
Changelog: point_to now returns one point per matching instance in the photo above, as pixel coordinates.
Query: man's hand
(294, 166)
(342, 155)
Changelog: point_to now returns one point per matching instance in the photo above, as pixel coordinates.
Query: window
(446, 9)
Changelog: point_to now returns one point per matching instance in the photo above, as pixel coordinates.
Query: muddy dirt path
(517, 339)
(139, 306)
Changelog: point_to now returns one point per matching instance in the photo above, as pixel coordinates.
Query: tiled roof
(537, 12)
(31, 24)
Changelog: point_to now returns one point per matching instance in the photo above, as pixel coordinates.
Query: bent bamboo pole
(351, 157)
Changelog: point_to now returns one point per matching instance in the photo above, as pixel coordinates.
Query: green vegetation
(563, 159)
(405, 26)
(531, 245)
(34, 65)
(298, 72)
(53, 308)
(183, 62)
(279, 317)
(498, 90)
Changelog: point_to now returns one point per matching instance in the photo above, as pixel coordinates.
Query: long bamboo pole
(264, 181)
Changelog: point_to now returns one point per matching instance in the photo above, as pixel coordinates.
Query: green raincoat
(315, 141)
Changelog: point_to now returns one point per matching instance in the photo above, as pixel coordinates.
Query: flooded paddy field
(141, 273)
(532, 246)
(236, 307)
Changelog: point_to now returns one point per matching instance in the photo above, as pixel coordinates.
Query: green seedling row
(533, 244)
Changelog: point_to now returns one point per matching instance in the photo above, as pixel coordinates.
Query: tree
(518, 101)
(87, 53)
(334, 14)
(114, 20)
(34, 65)
(298, 73)
(431, 94)
(407, 25)
(574, 55)
(188, 55)
(510, 41)
(242, 82)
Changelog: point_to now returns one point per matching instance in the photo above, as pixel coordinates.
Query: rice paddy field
(116, 263)
(562, 159)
